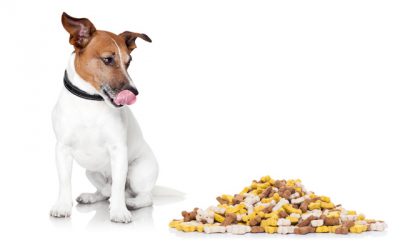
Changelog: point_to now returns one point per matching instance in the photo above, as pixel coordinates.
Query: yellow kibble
(188, 228)
(256, 185)
(327, 205)
(254, 192)
(333, 214)
(270, 229)
(314, 205)
(322, 229)
(258, 209)
(272, 181)
(266, 178)
(351, 212)
(312, 196)
(200, 228)
(293, 220)
(360, 217)
(325, 198)
(245, 190)
(290, 183)
(235, 209)
(298, 189)
(266, 200)
(276, 197)
(174, 223)
(271, 215)
(219, 218)
(333, 228)
(245, 218)
(358, 229)
(227, 197)
(242, 211)
(269, 222)
(290, 209)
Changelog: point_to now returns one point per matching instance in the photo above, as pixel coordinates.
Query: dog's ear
(80, 30)
(130, 39)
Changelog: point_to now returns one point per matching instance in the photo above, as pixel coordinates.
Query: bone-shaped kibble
(238, 229)
(317, 223)
(209, 229)
(286, 229)
(377, 226)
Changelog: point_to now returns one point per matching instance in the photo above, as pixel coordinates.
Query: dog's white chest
(88, 128)
(89, 149)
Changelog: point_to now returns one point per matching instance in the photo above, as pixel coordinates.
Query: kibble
(275, 206)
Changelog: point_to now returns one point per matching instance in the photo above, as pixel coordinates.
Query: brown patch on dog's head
(102, 57)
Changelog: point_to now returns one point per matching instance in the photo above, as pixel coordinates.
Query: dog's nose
(132, 89)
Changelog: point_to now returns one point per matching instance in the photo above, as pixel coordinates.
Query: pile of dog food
(275, 206)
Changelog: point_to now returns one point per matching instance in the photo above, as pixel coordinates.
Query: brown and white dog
(94, 126)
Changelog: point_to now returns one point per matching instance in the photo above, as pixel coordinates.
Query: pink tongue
(125, 97)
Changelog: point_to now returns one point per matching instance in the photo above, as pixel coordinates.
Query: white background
(325, 91)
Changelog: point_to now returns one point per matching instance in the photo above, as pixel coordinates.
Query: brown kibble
(304, 230)
(347, 223)
(342, 230)
(238, 198)
(285, 194)
(268, 209)
(265, 193)
(189, 216)
(304, 206)
(229, 219)
(257, 229)
(221, 200)
(255, 221)
(279, 183)
(283, 214)
(306, 222)
(332, 221)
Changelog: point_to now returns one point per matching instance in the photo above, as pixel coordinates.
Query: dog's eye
(109, 60)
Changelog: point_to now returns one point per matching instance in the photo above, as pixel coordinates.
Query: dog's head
(102, 59)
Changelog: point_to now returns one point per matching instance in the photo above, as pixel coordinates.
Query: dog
(95, 127)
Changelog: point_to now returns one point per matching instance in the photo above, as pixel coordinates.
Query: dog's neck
(76, 80)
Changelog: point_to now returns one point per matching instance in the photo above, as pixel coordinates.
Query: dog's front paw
(61, 210)
(121, 215)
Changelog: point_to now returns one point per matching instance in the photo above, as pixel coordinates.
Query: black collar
(78, 92)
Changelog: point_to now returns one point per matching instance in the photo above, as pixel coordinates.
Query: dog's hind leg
(142, 175)
(102, 185)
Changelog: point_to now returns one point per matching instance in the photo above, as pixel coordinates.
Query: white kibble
(251, 199)
(238, 229)
(214, 229)
(298, 200)
(317, 223)
(294, 195)
(286, 229)
(295, 215)
(284, 222)
(377, 226)
(205, 215)
(280, 204)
